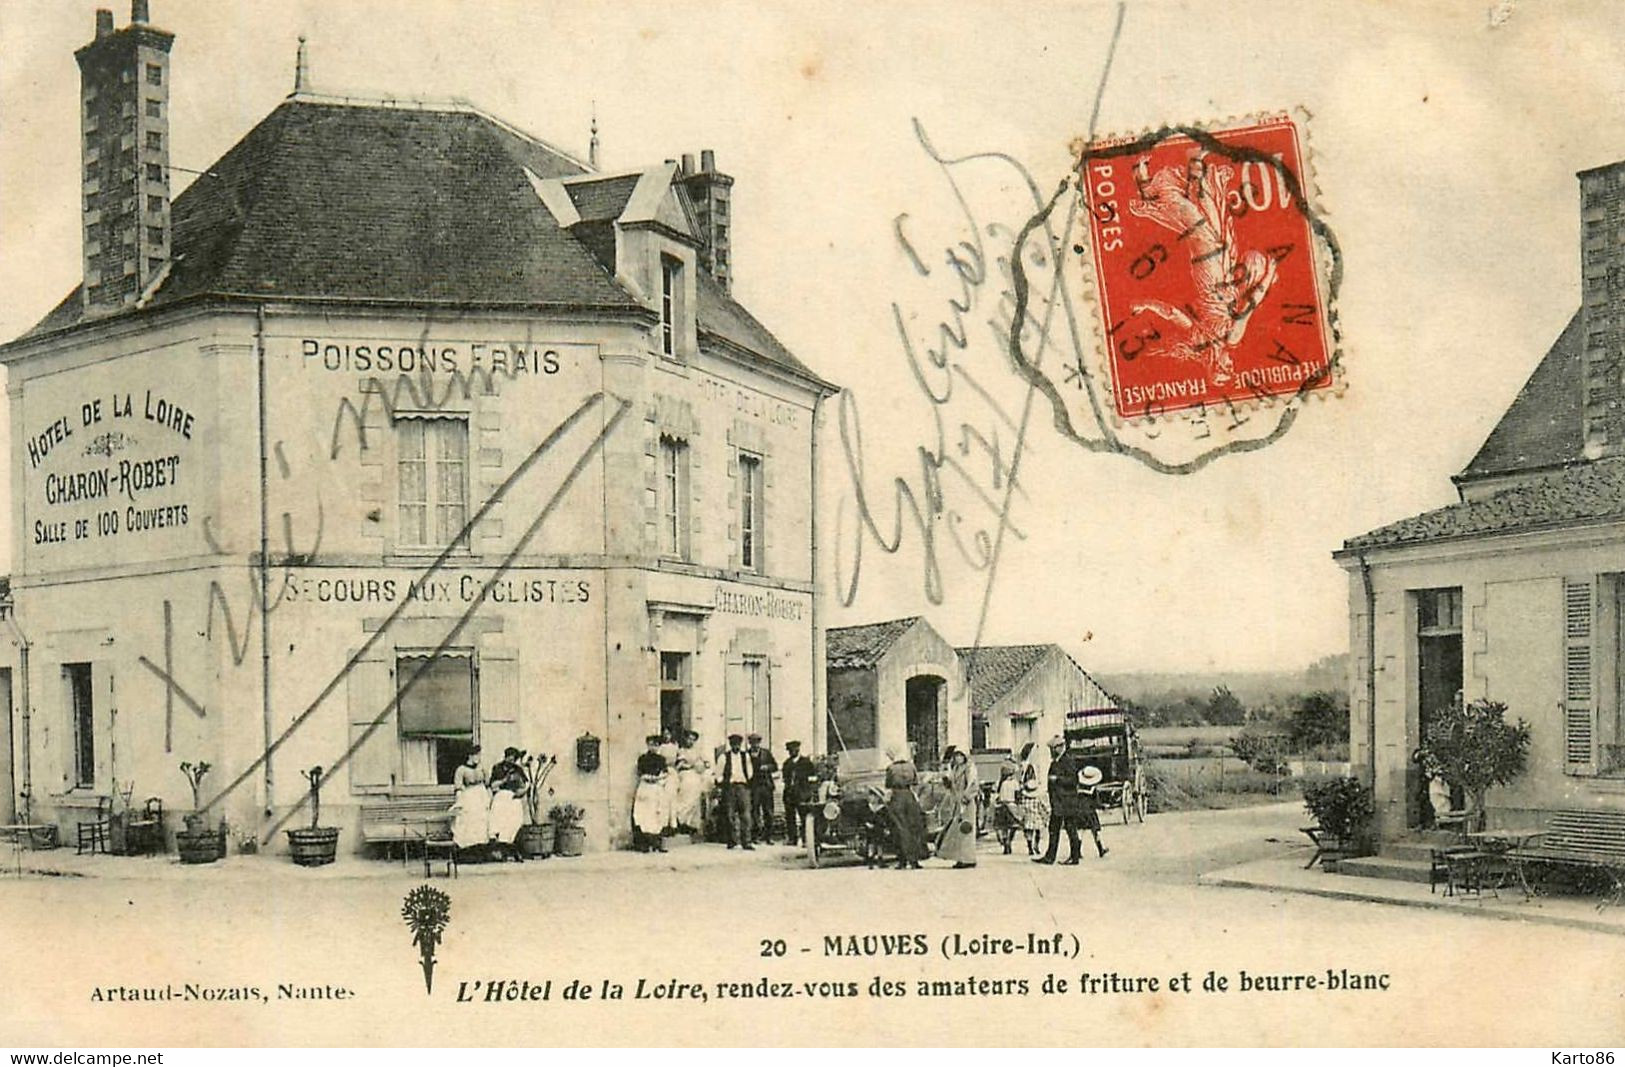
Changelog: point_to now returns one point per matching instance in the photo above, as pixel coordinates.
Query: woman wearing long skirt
(471, 810)
(651, 804)
(958, 841)
(904, 813)
(508, 785)
(693, 778)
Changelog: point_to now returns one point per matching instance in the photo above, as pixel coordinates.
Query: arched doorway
(924, 696)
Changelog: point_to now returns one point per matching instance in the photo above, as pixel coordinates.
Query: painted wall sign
(763, 604)
(128, 493)
(445, 588)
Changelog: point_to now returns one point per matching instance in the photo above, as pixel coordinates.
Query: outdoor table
(1505, 842)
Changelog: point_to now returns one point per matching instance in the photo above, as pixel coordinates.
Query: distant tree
(1320, 718)
(1261, 748)
(1224, 709)
(1473, 747)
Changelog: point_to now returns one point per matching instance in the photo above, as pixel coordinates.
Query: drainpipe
(265, 564)
(27, 717)
(820, 711)
(1370, 670)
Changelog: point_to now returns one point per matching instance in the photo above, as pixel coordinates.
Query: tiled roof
(604, 199)
(1542, 427)
(341, 201)
(863, 646)
(721, 316)
(994, 670)
(1589, 492)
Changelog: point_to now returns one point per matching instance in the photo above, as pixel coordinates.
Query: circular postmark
(1213, 283)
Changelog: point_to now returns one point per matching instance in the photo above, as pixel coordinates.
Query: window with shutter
(1579, 704)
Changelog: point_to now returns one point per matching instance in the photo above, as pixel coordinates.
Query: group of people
(673, 781)
(670, 796)
(1066, 804)
(489, 809)
(958, 807)
(675, 778)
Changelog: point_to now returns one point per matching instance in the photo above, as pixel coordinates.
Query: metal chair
(93, 836)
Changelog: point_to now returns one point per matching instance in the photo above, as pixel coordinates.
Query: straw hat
(1091, 776)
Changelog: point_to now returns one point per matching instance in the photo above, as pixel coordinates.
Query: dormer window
(671, 295)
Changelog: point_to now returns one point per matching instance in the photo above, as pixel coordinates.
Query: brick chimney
(708, 192)
(124, 120)
(1602, 311)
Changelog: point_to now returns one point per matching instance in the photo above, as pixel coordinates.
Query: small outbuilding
(1022, 693)
(895, 682)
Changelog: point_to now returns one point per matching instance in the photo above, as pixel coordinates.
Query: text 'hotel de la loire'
(520, 469)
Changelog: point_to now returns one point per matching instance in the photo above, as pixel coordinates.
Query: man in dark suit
(1065, 806)
(735, 769)
(800, 777)
(761, 788)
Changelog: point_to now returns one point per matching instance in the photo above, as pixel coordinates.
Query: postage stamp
(1204, 253)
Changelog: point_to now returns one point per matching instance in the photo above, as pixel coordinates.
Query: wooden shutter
(499, 701)
(1579, 690)
(734, 684)
(374, 757)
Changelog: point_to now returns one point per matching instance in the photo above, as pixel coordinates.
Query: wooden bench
(1588, 839)
(406, 820)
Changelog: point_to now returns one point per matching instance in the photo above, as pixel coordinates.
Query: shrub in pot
(1472, 747)
(570, 837)
(314, 845)
(536, 838)
(1343, 808)
(197, 843)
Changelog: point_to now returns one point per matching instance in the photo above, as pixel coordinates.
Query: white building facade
(520, 470)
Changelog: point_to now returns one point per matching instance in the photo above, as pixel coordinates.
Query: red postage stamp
(1204, 251)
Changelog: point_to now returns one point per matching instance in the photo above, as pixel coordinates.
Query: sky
(1443, 143)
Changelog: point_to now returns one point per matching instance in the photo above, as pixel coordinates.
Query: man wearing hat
(800, 777)
(761, 788)
(1065, 806)
(735, 769)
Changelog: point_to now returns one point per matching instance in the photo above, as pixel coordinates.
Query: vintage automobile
(848, 815)
(1104, 738)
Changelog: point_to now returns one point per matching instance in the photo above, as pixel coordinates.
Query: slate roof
(1590, 492)
(994, 670)
(1542, 427)
(401, 204)
(863, 646)
(602, 200)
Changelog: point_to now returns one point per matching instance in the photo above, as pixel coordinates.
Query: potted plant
(570, 837)
(1472, 747)
(536, 837)
(197, 843)
(314, 845)
(1343, 809)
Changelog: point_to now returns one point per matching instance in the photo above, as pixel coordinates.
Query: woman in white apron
(508, 787)
(693, 778)
(651, 803)
(471, 810)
